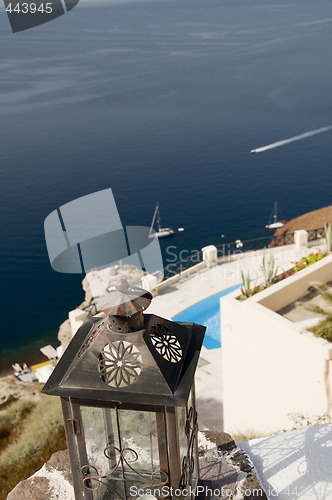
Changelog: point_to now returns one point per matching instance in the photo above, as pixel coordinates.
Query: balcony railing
(240, 246)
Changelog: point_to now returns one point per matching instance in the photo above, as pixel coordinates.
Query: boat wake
(292, 139)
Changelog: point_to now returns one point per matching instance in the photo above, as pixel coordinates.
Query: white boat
(162, 231)
(273, 222)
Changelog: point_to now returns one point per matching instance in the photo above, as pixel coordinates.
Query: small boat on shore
(41, 371)
(162, 232)
(274, 223)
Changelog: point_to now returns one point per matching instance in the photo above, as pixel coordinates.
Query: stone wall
(225, 471)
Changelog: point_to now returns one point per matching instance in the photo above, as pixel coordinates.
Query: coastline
(30, 353)
(189, 290)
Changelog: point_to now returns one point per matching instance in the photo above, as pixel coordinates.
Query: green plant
(315, 309)
(38, 428)
(324, 292)
(246, 290)
(12, 415)
(328, 236)
(308, 260)
(324, 327)
(270, 276)
(16, 410)
(270, 273)
(269, 270)
(39, 432)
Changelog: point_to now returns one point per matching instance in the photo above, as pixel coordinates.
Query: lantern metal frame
(112, 370)
(176, 471)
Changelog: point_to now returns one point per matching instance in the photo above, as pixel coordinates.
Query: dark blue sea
(158, 100)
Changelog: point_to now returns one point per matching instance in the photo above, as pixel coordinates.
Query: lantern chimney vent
(124, 306)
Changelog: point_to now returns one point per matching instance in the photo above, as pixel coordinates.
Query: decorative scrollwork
(120, 364)
(188, 461)
(92, 480)
(165, 343)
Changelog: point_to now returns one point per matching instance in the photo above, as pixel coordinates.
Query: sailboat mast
(158, 217)
(275, 211)
(154, 218)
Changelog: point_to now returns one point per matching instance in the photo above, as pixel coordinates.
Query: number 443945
(30, 8)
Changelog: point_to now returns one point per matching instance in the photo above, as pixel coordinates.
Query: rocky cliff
(310, 220)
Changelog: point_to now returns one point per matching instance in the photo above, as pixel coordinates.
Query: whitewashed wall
(270, 369)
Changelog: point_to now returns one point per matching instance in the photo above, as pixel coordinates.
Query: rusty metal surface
(129, 356)
(116, 365)
(125, 300)
(173, 445)
(77, 452)
(80, 372)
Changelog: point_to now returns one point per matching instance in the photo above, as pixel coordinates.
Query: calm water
(160, 101)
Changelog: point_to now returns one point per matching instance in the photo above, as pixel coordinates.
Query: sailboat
(273, 222)
(162, 231)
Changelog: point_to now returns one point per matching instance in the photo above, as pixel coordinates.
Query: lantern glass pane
(139, 436)
(122, 450)
(103, 451)
(181, 413)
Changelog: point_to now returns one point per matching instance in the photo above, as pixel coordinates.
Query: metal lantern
(126, 383)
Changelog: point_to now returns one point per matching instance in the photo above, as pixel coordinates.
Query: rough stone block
(53, 480)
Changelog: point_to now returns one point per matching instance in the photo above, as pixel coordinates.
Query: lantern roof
(154, 365)
(125, 300)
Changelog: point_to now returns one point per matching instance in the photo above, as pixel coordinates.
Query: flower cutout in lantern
(166, 344)
(120, 364)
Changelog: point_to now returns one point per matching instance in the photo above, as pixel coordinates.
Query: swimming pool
(207, 312)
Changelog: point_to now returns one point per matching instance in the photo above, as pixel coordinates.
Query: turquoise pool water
(207, 312)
